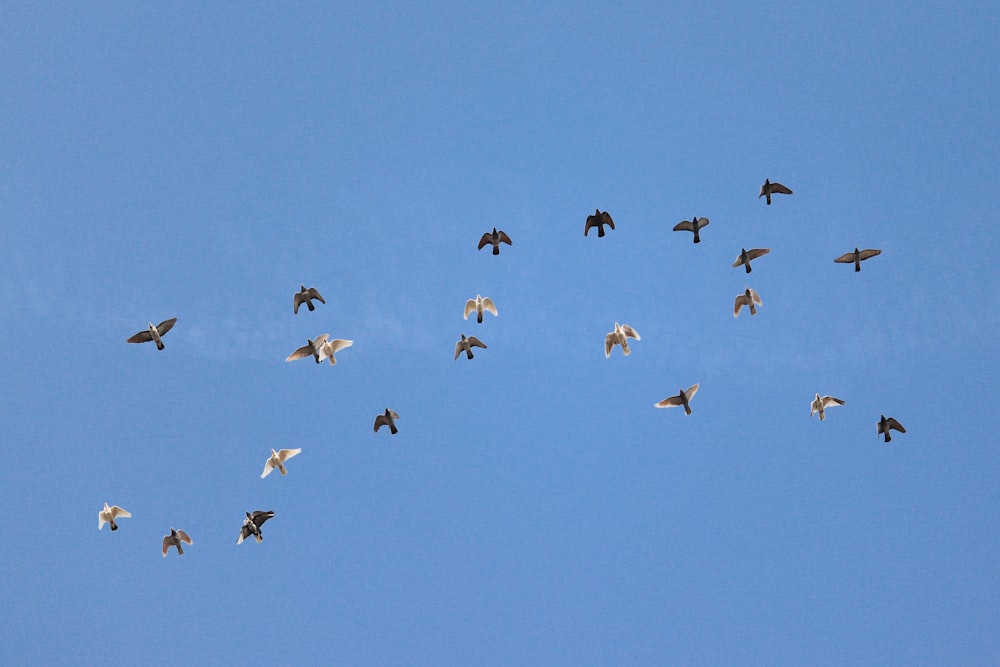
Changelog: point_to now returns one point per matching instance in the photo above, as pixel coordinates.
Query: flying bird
(388, 419)
(154, 333)
(682, 398)
(313, 347)
(619, 336)
(598, 219)
(328, 349)
(277, 460)
(252, 524)
(306, 295)
(748, 298)
(494, 238)
(467, 344)
(770, 188)
(174, 539)
(478, 305)
(884, 424)
(747, 255)
(109, 514)
(857, 257)
(821, 403)
(692, 225)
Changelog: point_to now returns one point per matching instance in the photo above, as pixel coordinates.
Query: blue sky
(534, 508)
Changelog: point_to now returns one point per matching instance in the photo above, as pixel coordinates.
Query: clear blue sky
(172, 161)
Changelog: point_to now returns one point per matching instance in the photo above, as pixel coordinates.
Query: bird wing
(141, 337)
(393, 414)
(846, 258)
(609, 342)
(268, 467)
(778, 187)
(245, 532)
(630, 332)
(101, 520)
(606, 219)
(671, 402)
(118, 512)
(297, 301)
(827, 401)
(892, 423)
(702, 222)
(168, 541)
(870, 252)
(739, 260)
(741, 301)
(757, 252)
(338, 344)
(285, 454)
(475, 342)
(488, 305)
(591, 222)
(458, 349)
(316, 295)
(503, 237)
(166, 325)
(303, 351)
(381, 421)
(486, 240)
(184, 537)
(691, 391)
(756, 298)
(470, 307)
(684, 226)
(260, 517)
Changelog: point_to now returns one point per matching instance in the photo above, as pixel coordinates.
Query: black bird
(857, 257)
(306, 295)
(682, 398)
(692, 225)
(467, 344)
(387, 419)
(252, 524)
(747, 255)
(770, 188)
(599, 219)
(494, 238)
(884, 424)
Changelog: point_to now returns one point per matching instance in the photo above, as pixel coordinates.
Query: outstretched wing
(892, 423)
(756, 298)
(630, 332)
(470, 307)
(260, 517)
(458, 349)
(846, 258)
(166, 325)
(338, 344)
(316, 295)
(691, 391)
(671, 402)
(381, 421)
(757, 252)
(141, 337)
(486, 240)
(297, 301)
(702, 222)
(184, 537)
(503, 237)
(684, 226)
(168, 541)
(592, 221)
(304, 351)
(488, 306)
(606, 219)
(827, 401)
(741, 301)
(285, 454)
(118, 511)
(475, 342)
(778, 187)
(870, 252)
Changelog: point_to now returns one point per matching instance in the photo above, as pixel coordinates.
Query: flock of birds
(323, 348)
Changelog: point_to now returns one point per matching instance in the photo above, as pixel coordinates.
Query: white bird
(174, 539)
(466, 345)
(331, 346)
(306, 295)
(821, 403)
(770, 188)
(619, 336)
(682, 398)
(277, 460)
(748, 298)
(387, 419)
(312, 347)
(154, 333)
(692, 225)
(252, 524)
(478, 305)
(109, 514)
(857, 257)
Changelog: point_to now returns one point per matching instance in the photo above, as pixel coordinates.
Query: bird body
(252, 524)
(747, 255)
(857, 257)
(619, 336)
(328, 349)
(885, 424)
(154, 333)
(682, 398)
(770, 188)
(478, 305)
(692, 225)
(109, 514)
(388, 418)
(305, 295)
(821, 403)
(494, 238)
(174, 539)
(277, 460)
(748, 298)
(598, 219)
(466, 345)
(313, 346)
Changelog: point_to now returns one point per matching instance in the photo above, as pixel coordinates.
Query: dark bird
(306, 295)
(154, 333)
(494, 238)
(467, 344)
(884, 424)
(857, 257)
(748, 298)
(770, 188)
(252, 524)
(599, 219)
(692, 225)
(747, 255)
(619, 336)
(821, 403)
(388, 418)
(174, 539)
(683, 398)
(109, 514)
(478, 305)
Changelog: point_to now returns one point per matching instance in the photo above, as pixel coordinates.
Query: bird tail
(496, 250)
(479, 317)
(748, 267)
(857, 265)
(114, 526)
(753, 308)
(687, 409)
(600, 231)
(468, 350)
(180, 549)
(259, 538)
(697, 239)
(310, 306)
(822, 415)
(393, 429)
(159, 345)
(888, 438)
(768, 198)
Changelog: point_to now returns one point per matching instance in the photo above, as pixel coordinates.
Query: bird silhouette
(770, 188)
(494, 238)
(885, 424)
(857, 257)
(306, 295)
(466, 345)
(252, 524)
(388, 418)
(747, 255)
(682, 398)
(598, 219)
(748, 298)
(154, 333)
(174, 539)
(478, 305)
(692, 225)
(619, 336)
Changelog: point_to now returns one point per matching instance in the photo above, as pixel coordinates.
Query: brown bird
(466, 344)
(494, 238)
(599, 219)
(619, 336)
(748, 298)
(154, 333)
(306, 295)
(884, 424)
(770, 188)
(388, 418)
(682, 398)
(692, 225)
(174, 539)
(857, 257)
(821, 403)
(747, 255)
(252, 524)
